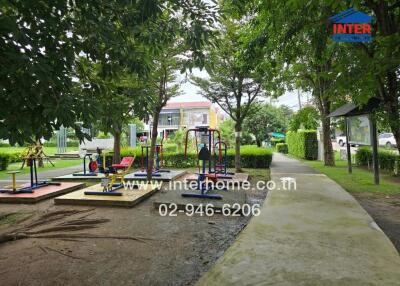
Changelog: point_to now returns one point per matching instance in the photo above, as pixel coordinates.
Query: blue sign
(351, 26)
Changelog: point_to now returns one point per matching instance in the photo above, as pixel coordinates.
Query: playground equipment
(204, 155)
(34, 150)
(32, 153)
(221, 166)
(95, 166)
(112, 175)
(159, 162)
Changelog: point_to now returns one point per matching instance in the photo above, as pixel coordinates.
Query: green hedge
(4, 161)
(282, 148)
(303, 144)
(251, 157)
(275, 141)
(388, 160)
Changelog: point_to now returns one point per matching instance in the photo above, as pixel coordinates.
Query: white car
(387, 139)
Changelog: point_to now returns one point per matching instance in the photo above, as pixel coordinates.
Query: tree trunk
(329, 157)
(258, 141)
(117, 146)
(154, 134)
(238, 136)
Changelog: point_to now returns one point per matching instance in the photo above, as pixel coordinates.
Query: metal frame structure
(204, 155)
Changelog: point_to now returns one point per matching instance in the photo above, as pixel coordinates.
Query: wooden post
(374, 143)
(349, 166)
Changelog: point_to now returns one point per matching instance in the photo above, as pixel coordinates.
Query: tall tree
(265, 119)
(41, 45)
(179, 50)
(299, 31)
(236, 78)
(375, 67)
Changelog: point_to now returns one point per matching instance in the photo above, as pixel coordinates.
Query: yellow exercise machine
(30, 156)
(113, 174)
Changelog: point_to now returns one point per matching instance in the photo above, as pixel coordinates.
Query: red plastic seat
(125, 163)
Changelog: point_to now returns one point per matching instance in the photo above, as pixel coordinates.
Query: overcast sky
(190, 93)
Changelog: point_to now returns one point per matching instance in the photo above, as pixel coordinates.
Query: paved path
(316, 235)
(46, 175)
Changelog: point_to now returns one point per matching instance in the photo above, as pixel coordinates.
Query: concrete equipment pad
(164, 176)
(40, 193)
(237, 179)
(129, 198)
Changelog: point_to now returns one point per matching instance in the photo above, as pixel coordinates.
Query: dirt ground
(385, 210)
(172, 250)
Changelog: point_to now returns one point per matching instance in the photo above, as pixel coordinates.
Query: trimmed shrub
(388, 160)
(303, 144)
(252, 157)
(282, 148)
(275, 141)
(4, 161)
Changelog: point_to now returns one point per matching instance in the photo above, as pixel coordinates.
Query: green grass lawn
(58, 164)
(360, 181)
(47, 150)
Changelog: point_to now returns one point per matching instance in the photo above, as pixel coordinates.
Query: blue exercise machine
(35, 183)
(158, 168)
(204, 155)
(221, 162)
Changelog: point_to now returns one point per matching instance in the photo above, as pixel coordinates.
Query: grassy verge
(361, 181)
(58, 164)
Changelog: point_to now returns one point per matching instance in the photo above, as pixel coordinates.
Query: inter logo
(351, 26)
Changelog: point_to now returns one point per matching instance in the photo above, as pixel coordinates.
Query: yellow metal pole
(14, 183)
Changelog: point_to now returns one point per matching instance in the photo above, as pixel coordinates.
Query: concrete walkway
(315, 235)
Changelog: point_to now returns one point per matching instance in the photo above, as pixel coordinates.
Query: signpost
(360, 130)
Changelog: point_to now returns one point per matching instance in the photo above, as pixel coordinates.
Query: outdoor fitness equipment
(221, 166)
(93, 165)
(34, 153)
(158, 168)
(204, 155)
(109, 182)
(35, 150)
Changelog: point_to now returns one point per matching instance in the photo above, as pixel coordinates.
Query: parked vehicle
(387, 140)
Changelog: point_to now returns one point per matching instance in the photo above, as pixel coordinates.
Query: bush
(282, 148)
(303, 144)
(275, 141)
(4, 161)
(252, 157)
(388, 160)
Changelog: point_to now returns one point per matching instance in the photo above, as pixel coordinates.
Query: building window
(204, 121)
(168, 119)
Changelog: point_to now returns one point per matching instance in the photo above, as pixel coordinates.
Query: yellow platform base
(129, 198)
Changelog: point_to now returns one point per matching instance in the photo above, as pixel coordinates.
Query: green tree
(299, 33)
(227, 129)
(236, 78)
(36, 58)
(306, 118)
(264, 120)
(374, 67)
(178, 138)
(42, 45)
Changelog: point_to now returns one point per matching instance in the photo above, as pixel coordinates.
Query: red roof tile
(193, 104)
